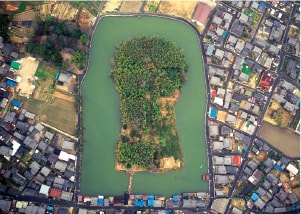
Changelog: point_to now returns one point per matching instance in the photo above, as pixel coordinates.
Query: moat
(101, 112)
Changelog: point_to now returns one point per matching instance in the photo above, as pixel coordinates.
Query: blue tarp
(16, 103)
(139, 203)
(224, 34)
(298, 103)
(261, 6)
(278, 168)
(100, 201)
(57, 75)
(254, 196)
(167, 212)
(175, 198)
(213, 113)
(11, 83)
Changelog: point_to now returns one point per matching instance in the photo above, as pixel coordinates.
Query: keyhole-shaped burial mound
(148, 74)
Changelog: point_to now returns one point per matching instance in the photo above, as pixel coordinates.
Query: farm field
(131, 6)
(54, 108)
(178, 8)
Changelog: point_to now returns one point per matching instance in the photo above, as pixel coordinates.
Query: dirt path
(63, 96)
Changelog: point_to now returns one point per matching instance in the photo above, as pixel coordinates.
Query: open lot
(282, 118)
(131, 6)
(27, 71)
(53, 108)
(67, 58)
(56, 112)
(283, 139)
(85, 20)
(178, 8)
(25, 16)
(111, 6)
(59, 10)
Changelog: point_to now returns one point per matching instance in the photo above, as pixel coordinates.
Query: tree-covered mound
(148, 74)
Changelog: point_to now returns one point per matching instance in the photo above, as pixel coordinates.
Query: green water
(101, 113)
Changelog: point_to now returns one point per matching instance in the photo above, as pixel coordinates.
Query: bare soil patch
(27, 71)
(262, 156)
(67, 58)
(111, 6)
(58, 113)
(63, 96)
(169, 101)
(59, 10)
(282, 117)
(170, 163)
(221, 116)
(25, 16)
(178, 8)
(239, 203)
(130, 6)
(283, 139)
(85, 20)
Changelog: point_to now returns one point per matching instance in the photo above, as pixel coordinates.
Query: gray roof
(221, 179)
(213, 130)
(43, 145)
(34, 167)
(61, 166)
(9, 117)
(290, 107)
(29, 115)
(243, 77)
(282, 195)
(253, 164)
(49, 135)
(231, 119)
(259, 203)
(67, 196)
(219, 53)
(45, 171)
(261, 192)
(220, 170)
(5, 204)
(217, 160)
(279, 98)
(215, 80)
(39, 127)
(226, 130)
(272, 179)
(266, 185)
(248, 171)
(68, 145)
(243, 18)
(293, 198)
(65, 78)
(5, 151)
(217, 20)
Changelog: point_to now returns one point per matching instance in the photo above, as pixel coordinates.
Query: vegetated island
(148, 74)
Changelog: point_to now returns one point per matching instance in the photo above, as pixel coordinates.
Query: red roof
(236, 160)
(201, 13)
(213, 93)
(266, 81)
(55, 193)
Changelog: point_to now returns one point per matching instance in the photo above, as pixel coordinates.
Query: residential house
(256, 177)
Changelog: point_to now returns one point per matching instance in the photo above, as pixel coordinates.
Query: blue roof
(224, 33)
(278, 168)
(213, 113)
(298, 103)
(167, 212)
(254, 196)
(150, 202)
(175, 198)
(261, 6)
(139, 203)
(151, 197)
(100, 201)
(11, 83)
(16, 103)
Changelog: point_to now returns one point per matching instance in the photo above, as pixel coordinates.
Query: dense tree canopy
(147, 69)
(4, 22)
(79, 59)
